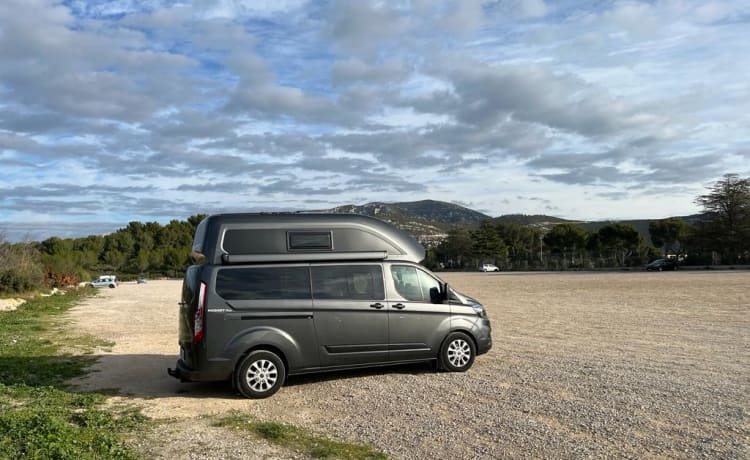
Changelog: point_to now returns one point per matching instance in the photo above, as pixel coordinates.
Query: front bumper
(484, 339)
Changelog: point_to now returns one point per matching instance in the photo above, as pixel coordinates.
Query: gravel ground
(196, 439)
(583, 364)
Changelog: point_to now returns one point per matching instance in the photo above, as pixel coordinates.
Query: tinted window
(263, 283)
(353, 282)
(310, 240)
(406, 280)
(253, 241)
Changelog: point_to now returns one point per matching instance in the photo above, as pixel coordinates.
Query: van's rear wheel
(458, 352)
(260, 374)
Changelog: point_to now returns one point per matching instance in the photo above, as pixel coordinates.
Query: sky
(115, 111)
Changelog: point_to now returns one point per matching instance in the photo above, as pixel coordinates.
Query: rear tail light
(200, 314)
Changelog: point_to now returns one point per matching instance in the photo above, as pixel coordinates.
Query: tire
(260, 374)
(457, 353)
(111, 286)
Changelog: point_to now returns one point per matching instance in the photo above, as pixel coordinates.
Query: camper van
(273, 295)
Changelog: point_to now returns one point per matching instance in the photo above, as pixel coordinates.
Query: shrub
(13, 281)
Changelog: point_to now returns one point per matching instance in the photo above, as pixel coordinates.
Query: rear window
(354, 282)
(263, 283)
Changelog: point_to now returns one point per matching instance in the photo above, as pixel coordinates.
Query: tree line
(720, 236)
(149, 249)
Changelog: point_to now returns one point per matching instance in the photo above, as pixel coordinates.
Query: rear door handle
(400, 306)
(377, 305)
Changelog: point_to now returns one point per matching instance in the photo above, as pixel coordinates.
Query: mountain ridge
(431, 219)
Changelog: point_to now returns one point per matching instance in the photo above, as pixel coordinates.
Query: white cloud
(211, 9)
(532, 8)
(572, 104)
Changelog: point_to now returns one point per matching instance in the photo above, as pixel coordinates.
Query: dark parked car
(661, 265)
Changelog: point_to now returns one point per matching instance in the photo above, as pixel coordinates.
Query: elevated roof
(290, 237)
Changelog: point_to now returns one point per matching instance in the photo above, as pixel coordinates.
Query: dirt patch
(604, 364)
(141, 320)
(10, 304)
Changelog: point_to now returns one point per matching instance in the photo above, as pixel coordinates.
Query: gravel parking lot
(583, 364)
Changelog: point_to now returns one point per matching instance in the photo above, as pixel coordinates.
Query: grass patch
(298, 439)
(38, 417)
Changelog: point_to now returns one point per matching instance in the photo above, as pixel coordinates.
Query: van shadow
(145, 376)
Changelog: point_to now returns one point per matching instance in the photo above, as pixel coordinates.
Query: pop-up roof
(292, 237)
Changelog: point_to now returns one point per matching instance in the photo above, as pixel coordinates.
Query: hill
(437, 213)
(429, 220)
(535, 220)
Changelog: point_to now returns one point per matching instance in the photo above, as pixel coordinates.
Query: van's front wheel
(260, 374)
(458, 352)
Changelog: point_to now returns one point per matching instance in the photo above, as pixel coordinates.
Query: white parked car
(488, 268)
(109, 281)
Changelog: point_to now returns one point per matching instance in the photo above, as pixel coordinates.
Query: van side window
(427, 282)
(407, 282)
(263, 283)
(412, 283)
(353, 282)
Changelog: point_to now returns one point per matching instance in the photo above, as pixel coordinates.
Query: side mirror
(440, 295)
(435, 295)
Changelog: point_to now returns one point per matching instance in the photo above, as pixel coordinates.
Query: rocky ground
(584, 364)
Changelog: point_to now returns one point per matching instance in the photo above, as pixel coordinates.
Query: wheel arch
(266, 347)
(263, 338)
(462, 330)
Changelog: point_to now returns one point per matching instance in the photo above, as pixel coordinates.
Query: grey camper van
(284, 294)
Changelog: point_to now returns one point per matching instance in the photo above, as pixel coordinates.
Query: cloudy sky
(112, 111)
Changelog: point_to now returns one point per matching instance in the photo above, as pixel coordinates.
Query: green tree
(487, 244)
(20, 268)
(569, 240)
(727, 226)
(113, 259)
(61, 261)
(619, 241)
(522, 241)
(456, 248)
(196, 219)
(669, 235)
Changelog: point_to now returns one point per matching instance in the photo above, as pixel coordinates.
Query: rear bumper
(216, 372)
(183, 373)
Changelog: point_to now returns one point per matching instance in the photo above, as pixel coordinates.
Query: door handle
(377, 305)
(400, 306)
